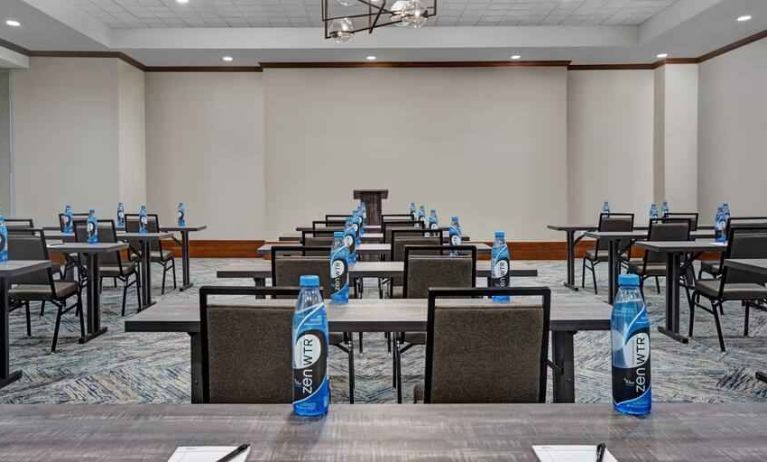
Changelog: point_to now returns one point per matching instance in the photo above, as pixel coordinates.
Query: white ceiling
(164, 33)
(132, 14)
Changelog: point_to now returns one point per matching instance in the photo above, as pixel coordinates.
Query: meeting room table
(186, 280)
(8, 270)
(91, 252)
(679, 255)
(755, 265)
(571, 242)
(388, 315)
(145, 240)
(379, 249)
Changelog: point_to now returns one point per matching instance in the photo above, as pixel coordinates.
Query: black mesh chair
(479, 351)
(287, 269)
(653, 264)
(613, 222)
(40, 286)
(714, 267)
(157, 254)
(426, 267)
(112, 265)
(399, 239)
(734, 285)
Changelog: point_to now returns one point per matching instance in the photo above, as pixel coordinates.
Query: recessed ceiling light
(183, 2)
(227, 59)
(371, 58)
(662, 55)
(744, 18)
(12, 23)
(516, 57)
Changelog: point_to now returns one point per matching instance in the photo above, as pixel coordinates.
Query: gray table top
(572, 227)
(84, 247)
(365, 269)
(184, 228)
(682, 246)
(144, 236)
(374, 432)
(756, 265)
(640, 234)
(11, 268)
(368, 248)
(371, 315)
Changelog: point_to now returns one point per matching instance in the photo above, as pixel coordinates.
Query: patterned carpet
(124, 367)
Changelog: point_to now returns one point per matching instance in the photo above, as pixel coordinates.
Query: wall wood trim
(12, 46)
(204, 69)
(88, 54)
(609, 67)
(356, 65)
(733, 46)
(217, 248)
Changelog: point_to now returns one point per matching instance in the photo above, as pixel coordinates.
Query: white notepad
(206, 454)
(566, 453)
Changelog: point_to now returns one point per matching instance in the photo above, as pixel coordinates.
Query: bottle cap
(92, 211)
(500, 235)
(309, 281)
(338, 234)
(455, 218)
(628, 280)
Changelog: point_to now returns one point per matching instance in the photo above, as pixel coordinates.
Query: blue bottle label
(500, 273)
(339, 274)
(631, 366)
(455, 239)
(349, 243)
(309, 365)
(3, 240)
(92, 231)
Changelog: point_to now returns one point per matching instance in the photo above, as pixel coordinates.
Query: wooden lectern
(372, 199)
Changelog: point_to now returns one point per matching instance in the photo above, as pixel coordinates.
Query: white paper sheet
(564, 453)
(206, 454)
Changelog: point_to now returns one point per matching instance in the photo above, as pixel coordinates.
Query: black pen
(601, 451)
(237, 451)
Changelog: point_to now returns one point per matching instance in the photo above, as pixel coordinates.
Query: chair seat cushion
(113, 271)
(746, 291)
(64, 289)
(592, 255)
(416, 338)
(161, 256)
(637, 266)
(336, 338)
(711, 267)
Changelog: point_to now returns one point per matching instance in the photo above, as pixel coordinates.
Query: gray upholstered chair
(157, 254)
(247, 347)
(714, 267)
(399, 239)
(287, 271)
(612, 222)
(318, 246)
(426, 271)
(653, 264)
(693, 217)
(112, 265)
(734, 285)
(480, 351)
(40, 285)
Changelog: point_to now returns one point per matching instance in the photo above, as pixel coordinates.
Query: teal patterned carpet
(124, 367)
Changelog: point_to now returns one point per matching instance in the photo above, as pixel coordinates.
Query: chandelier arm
(378, 16)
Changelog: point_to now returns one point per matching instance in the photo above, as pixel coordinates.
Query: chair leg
(29, 319)
(164, 272)
(657, 284)
(175, 283)
(394, 359)
(42, 308)
(125, 295)
(594, 278)
(114, 282)
(79, 311)
(583, 274)
(641, 287)
(56, 329)
(138, 291)
(351, 371)
(692, 315)
(718, 327)
(745, 325)
(360, 340)
(399, 374)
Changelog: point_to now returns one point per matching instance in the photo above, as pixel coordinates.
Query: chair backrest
(30, 247)
(19, 223)
(411, 236)
(480, 351)
(441, 270)
(692, 216)
(153, 226)
(387, 227)
(324, 224)
(323, 243)
(247, 347)
(75, 217)
(319, 233)
(288, 269)
(745, 243)
(396, 217)
(133, 225)
(746, 222)
(666, 229)
(336, 217)
(107, 233)
(614, 222)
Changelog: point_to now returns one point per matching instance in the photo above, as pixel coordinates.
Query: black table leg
(93, 307)
(196, 343)
(6, 376)
(613, 270)
(673, 269)
(146, 273)
(564, 373)
(570, 283)
(185, 279)
(761, 376)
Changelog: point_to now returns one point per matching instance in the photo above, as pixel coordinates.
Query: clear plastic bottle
(350, 241)
(630, 333)
(181, 214)
(664, 209)
(339, 269)
(68, 221)
(499, 265)
(413, 211)
(311, 384)
(143, 220)
(120, 215)
(606, 208)
(92, 227)
(720, 225)
(653, 211)
(3, 240)
(433, 219)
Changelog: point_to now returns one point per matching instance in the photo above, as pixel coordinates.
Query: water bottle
(350, 241)
(68, 221)
(181, 214)
(413, 212)
(455, 234)
(120, 215)
(143, 220)
(499, 265)
(422, 216)
(311, 386)
(3, 240)
(664, 209)
(606, 208)
(357, 220)
(433, 221)
(726, 210)
(720, 225)
(653, 212)
(364, 214)
(630, 333)
(339, 269)
(92, 227)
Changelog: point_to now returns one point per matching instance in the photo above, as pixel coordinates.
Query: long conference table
(367, 248)
(388, 315)
(376, 432)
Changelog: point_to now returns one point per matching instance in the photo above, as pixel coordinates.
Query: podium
(372, 199)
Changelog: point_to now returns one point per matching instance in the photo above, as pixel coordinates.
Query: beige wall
(205, 148)
(733, 131)
(131, 133)
(5, 144)
(488, 145)
(610, 142)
